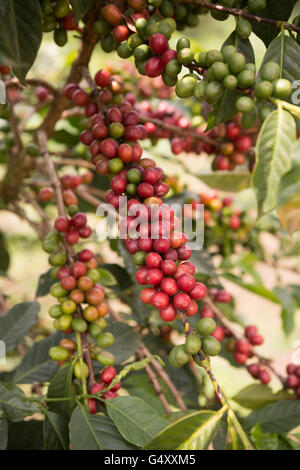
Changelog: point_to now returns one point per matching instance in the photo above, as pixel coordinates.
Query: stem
(80, 356)
(249, 16)
(218, 390)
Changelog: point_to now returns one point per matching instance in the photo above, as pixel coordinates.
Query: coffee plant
(117, 348)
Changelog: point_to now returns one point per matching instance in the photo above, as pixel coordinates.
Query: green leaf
(3, 433)
(29, 435)
(274, 144)
(56, 432)
(80, 8)
(37, 366)
(288, 200)
(45, 282)
(243, 46)
(264, 441)
(120, 274)
(135, 419)
(257, 395)
(94, 432)
(20, 34)
(14, 404)
(126, 341)
(193, 432)
(17, 322)
(279, 417)
(203, 263)
(289, 307)
(61, 386)
(224, 109)
(255, 288)
(285, 51)
(226, 181)
(106, 278)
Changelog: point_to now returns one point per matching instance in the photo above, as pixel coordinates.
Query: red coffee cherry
(121, 33)
(160, 300)
(192, 309)
(102, 78)
(186, 282)
(158, 43)
(91, 109)
(181, 301)
(41, 93)
(168, 267)
(141, 276)
(95, 388)
(145, 244)
(168, 55)
(154, 67)
(80, 97)
(219, 333)
(69, 89)
(108, 374)
(198, 292)
(250, 330)
(112, 14)
(239, 357)
(253, 370)
(292, 381)
(79, 269)
(72, 237)
(154, 276)
(147, 294)
(92, 404)
(153, 260)
(169, 286)
(79, 220)
(223, 296)
(46, 194)
(85, 255)
(291, 368)
(232, 130)
(168, 314)
(69, 283)
(206, 311)
(234, 222)
(170, 254)
(184, 252)
(161, 245)
(63, 272)
(125, 152)
(242, 346)
(62, 224)
(264, 376)
(85, 232)
(132, 246)
(256, 340)
(242, 143)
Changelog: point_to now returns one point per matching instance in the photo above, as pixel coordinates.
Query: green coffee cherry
(183, 43)
(141, 26)
(55, 311)
(58, 353)
(257, 5)
(243, 28)
(244, 104)
(200, 90)
(134, 41)
(270, 71)
(105, 358)
(53, 273)
(185, 87)
(264, 111)
(123, 50)
(105, 340)
(94, 275)
(220, 70)
(60, 37)
(210, 346)
(219, 15)
(108, 44)
(246, 78)
(139, 258)
(214, 90)
(134, 176)
(115, 165)
(131, 189)
(79, 325)
(68, 307)
(101, 27)
(263, 90)
(94, 329)
(72, 210)
(56, 290)
(249, 120)
(57, 258)
(78, 372)
(193, 344)
(200, 58)
(64, 322)
(142, 52)
(206, 326)
(228, 52)
(169, 80)
(173, 68)
(236, 63)
(250, 66)
(282, 88)
(213, 56)
(166, 8)
(62, 8)
(178, 356)
(230, 82)
(185, 56)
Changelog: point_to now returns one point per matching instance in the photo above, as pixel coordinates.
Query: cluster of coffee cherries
(202, 338)
(58, 17)
(106, 377)
(69, 183)
(293, 378)
(141, 19)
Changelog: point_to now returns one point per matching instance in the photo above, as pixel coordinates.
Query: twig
(156, 385)
(74, 162)
(244, 14)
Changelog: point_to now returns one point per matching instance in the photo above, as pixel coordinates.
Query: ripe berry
(168, 267)
(41, 93)
(198, 292)
(108, 374)
(242, 346)
(145, 190)
(85, 255)
(158, 43)
(80, 97)
(256, 340)
(69, 282)
(153, 260)
(46, 194)
(62, 224)
(186, 282)
(291, 368)
(292, 381)
(161, 245)
(192, 309)
(184, 252)
(181, 301)
(102, 78)
(250, 330)
(218, 333)
(169, 286)
(264, 376)
(154, 276)
(160, 300)
(154, 67)
(168, 314)
(72, 237)
(240, 358)
(79, 220)
(147, 294)
(253, 370)
(223, 296)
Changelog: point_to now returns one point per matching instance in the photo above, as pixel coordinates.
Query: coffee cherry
(242, 346)
(139, 258)
(160, 300)
(105, 340)
(219, 333)
(253, 370)
(244, 104)
(168, 267)
(210, 346)
(236, 62)
(206, 311)
(223, 296)
(153, 260)
(282, 88)
(95, 295)
(58, 353)
(256, 340)
(291, 368)
(72, 237)
(257, 5)
(41, 93)
(206, 326)
(158, 43)
(78, 372)
(154, 67)
(146, 295)
(178, 356)
(181, 301)
(264, 376)
(46, 194)
(193, 344)
(242, 143)
(62, 224)
(263, 90)
(240, 358)
(80, 97)
(192, 309)
(186, 282)
(185, 87)
(169, 286)
(270, 71)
